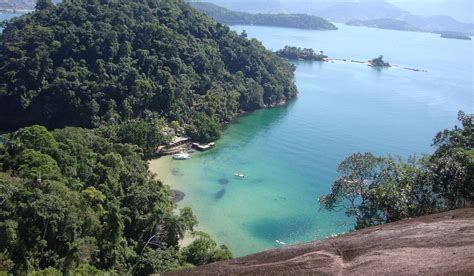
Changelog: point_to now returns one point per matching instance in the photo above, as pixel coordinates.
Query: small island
(454, 35)
(378, 62)
(291, 52)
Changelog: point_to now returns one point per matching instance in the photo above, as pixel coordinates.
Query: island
(291, 52)
(299, 21)
(454, 35)
(384, 23)
(378, 62)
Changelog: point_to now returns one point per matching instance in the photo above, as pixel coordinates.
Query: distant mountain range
(300, 21)
(345, 11)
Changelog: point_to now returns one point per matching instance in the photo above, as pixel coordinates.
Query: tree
(91, 204)
(378, 190)
(204, 128)
(204, 250)
(43, 5)
(357, 173)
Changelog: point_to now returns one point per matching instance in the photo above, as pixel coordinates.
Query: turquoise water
(289, 155)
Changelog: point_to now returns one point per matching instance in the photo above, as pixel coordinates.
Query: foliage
(89, 63)
(298, 53)
(377, 190)
(204, 250)
(73, 201)
(204, 128)
(144, 134)
(301, 21)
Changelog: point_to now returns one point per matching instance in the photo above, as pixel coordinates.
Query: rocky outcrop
(437, 244)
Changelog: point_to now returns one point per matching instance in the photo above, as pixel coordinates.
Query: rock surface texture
(441, 244)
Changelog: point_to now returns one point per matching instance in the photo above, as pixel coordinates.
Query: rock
(178, 195)
(436, 244)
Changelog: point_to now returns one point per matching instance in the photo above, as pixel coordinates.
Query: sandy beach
(161, 167)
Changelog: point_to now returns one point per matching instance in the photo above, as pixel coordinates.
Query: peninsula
(299, 21)
(88, 89)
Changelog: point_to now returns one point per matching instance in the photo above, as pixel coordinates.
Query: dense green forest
(376, 190)
(72, 197)
(291, 52)
(300, 21)
(88, 63)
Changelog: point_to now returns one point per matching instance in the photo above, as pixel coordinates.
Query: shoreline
(160, 167)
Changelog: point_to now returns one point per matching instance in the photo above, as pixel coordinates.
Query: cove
(289, 154)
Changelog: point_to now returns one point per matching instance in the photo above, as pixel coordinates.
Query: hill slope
(436, 244)
(301, 21)
(84, 63)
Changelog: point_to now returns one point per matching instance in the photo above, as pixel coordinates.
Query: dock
(201, 147)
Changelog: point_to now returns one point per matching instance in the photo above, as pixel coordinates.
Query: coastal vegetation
(291, 52)
(377, 190)
(86, 64)
(71, 198)
(299, 21)
(378, 62)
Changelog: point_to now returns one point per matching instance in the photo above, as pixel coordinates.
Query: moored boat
(181, 156)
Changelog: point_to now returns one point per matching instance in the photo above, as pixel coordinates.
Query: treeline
(90, 63)
(291, 52)
(300, 21)
(72, 200)
(377, 190)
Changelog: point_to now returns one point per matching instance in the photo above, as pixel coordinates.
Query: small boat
(239, 175)
(280, 242)
(181, 156)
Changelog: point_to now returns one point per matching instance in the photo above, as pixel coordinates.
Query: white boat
(239, 175)
(280, 242)
(181, 156)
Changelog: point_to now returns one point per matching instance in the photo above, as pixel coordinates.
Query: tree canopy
(86, 63)
(71, 200)
(291, 52)
(377, 190)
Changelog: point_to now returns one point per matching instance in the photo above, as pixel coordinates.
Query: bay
(289, 155)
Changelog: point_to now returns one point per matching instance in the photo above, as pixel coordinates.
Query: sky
(462, 10)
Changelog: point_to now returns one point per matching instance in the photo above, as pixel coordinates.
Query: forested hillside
(71, 197)
(300, 21)
(86, 63)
